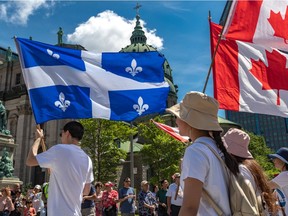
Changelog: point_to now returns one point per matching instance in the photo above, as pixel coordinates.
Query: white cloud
(18, 12)
(110, 32)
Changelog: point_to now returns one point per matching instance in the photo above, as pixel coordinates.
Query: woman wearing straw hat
(201, 169)
(237, 142)
(280, 182)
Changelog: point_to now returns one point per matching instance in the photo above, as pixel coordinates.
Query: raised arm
(31, 158)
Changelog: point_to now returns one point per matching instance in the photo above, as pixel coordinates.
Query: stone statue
(6, 165)
(8, 57)
(3, 117)
(60, 36)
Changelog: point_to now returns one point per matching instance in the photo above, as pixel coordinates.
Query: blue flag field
(65, 83)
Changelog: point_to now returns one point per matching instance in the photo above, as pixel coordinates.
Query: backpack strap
(205, 192)
(212, 203)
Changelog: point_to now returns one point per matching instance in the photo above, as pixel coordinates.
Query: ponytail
(230, 161)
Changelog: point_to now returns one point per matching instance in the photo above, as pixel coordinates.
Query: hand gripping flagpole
(213, 52)
(43, 146)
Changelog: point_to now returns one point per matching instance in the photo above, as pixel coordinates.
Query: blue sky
(179, 29)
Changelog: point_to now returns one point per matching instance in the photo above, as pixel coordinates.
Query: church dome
(138, 44)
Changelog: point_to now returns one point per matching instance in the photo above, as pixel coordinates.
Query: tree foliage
(99, 142)
(259, 150)
(160, 151)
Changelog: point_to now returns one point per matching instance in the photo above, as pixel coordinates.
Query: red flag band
(174, 132)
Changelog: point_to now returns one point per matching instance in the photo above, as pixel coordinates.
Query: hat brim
(195, 118)
(273, 156)
(175, 110)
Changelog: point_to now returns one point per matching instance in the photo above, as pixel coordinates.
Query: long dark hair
(261, 181)
(230, 161)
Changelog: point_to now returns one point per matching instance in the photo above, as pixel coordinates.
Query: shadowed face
(279, 164)
(184, 128)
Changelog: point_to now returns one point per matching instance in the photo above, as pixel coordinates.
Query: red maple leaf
(275, 76)
(279, 24)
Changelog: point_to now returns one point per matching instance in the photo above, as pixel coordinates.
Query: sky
(178, 29)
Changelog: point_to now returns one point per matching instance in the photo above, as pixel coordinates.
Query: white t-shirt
(70, 169)
(171, 193)
(245, 172)
(282, 181)
(38, 203)
(200, 163)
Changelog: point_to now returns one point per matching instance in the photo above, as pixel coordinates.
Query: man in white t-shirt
(174, 196)
(70, 170)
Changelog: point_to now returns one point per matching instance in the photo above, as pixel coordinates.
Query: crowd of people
(15, 202)
(201, 189)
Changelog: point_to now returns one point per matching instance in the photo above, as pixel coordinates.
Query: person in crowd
(88, 204)
(6, 204)
(201, 170)
(155, 189)
(45, 187)
(162, 199)
(174, 196)
(17, 204)
(237, 142)
(29, 210)
(14, 190)
(109, 200)
(280, 182)
(37, 201)
(147, 203)
(98, 198)
(127, 198)
(70, 168)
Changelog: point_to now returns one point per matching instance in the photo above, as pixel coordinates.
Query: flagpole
(214, 52)
(131, 158)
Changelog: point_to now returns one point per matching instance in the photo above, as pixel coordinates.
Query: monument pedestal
(7, 147)
(9, 182)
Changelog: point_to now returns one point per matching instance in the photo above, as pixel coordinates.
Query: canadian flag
(259, 22)
(249, 77)
(172, 131)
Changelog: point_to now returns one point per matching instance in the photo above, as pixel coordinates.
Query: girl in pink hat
(237, 142)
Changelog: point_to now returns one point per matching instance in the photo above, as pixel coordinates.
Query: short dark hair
(163, 180)
(125, 179)
(75, 128)
(98, 184)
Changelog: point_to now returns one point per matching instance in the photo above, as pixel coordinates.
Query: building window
(18, 79)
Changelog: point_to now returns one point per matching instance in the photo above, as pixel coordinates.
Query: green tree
(160, 151)
(259, 150)
(99, 142)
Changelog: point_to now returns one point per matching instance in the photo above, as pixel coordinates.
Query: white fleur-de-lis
(54, 55)
(62, 103)
(133, 70)
(140, 107)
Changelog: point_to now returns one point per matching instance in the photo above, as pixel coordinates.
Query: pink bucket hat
(198, 110)
(237, 142)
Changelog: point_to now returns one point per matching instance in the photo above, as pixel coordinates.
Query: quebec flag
(65, 83)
